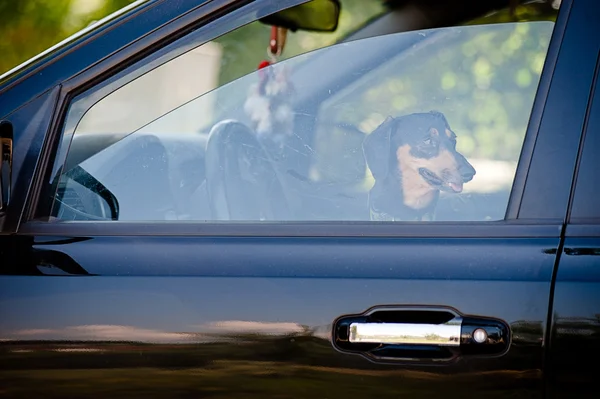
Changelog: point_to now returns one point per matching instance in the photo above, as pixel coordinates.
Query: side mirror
(81, 197)
(314, 15)
(6, 143)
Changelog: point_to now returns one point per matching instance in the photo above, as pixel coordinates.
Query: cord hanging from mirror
(268, 104)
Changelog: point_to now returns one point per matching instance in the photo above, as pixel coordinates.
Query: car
(297, 199)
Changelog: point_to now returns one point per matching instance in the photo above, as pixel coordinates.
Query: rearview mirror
(315, 15)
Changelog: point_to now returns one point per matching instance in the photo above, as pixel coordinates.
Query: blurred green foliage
(28, 27)
(484, 81)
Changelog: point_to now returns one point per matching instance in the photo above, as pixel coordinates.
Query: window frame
(561, 125)
(516, 223)
(585, 224)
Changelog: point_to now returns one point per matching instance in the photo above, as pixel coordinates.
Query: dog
(412, 159)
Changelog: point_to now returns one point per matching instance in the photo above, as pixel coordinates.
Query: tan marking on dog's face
(449, 133)
(417, 192)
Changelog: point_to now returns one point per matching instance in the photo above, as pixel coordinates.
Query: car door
(166, 303)
(574, 338)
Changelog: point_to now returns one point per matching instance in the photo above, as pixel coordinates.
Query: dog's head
(415, 156)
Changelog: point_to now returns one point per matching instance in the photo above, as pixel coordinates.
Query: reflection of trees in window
(485, 83)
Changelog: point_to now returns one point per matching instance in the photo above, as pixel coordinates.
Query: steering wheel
(241, 180)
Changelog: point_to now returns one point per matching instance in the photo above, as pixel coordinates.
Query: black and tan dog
(412, 159)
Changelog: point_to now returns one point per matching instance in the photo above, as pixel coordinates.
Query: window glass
(482, 78)
(416, 126)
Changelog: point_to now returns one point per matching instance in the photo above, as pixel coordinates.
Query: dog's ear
(377, 148)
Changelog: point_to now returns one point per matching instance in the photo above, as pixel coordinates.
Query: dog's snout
(466, 170)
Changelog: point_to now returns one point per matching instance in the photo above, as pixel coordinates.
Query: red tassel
(263, 64)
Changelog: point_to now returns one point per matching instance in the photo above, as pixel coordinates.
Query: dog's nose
(467, 172)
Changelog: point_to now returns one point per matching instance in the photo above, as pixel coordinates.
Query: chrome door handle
(421, 334)
(445, 334)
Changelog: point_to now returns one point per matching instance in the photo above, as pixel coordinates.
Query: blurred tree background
(483, 80)
(28, 27)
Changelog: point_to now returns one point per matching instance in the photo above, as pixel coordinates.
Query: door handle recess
(419, 334)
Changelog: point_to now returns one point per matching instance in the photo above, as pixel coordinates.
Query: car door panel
(235, 322)
(575, 329)
(560, 129)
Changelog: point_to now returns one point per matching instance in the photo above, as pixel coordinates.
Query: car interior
(226, 171)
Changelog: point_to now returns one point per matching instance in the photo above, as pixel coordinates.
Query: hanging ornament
(268, 104)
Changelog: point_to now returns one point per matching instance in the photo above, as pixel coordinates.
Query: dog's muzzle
(450, 182)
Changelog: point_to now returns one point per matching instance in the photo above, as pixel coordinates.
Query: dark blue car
(305, 199)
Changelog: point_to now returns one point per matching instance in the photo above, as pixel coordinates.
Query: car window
(415, 126)
(483, 79)
(585, 206)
